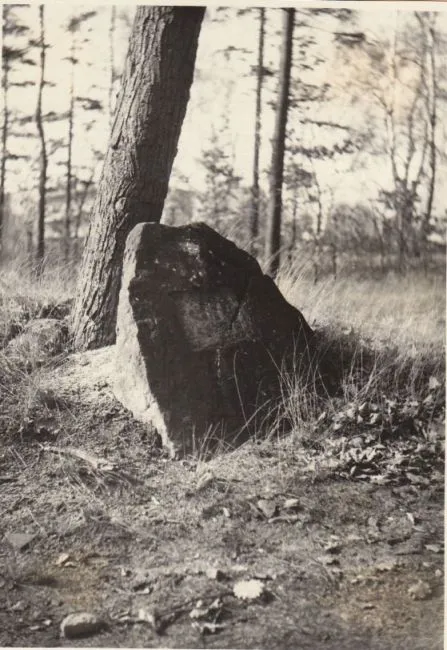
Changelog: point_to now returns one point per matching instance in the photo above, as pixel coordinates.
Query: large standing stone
(203, 338)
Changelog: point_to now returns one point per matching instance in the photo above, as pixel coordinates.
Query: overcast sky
(210, 92)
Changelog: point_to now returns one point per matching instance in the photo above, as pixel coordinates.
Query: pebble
(81, 624)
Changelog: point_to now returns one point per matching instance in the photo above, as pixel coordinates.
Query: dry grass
(404, 312)
(25, 294)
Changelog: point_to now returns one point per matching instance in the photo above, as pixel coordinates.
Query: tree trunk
(273, 235)
(77, 222)
(43, 151)
(432, 118)
(67, 233)
(5, 127)
(254, 221)
(294, 229)
(112, 62)
(150, 111)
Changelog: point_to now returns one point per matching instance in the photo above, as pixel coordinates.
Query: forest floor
(330, 538)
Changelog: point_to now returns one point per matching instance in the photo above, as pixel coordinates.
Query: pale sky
(208, 94)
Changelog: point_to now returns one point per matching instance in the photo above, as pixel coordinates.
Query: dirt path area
(261, 548)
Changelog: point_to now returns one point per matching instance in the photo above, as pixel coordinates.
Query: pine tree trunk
(150, 111)
(273, 235)
(5, 127)
(43, 152)
(254, 221)
(112, 61)
(67, 230)
(294, 229)
(432, 117)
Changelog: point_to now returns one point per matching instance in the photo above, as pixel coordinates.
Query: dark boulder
(204, 339)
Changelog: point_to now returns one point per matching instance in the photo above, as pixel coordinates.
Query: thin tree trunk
(112, 61)
(78, 218)
(5, 127)
(43, 151)
(151, 107)
(273, 236)
(254, 221)
(433, 124)
(294, 213)
(69, 181)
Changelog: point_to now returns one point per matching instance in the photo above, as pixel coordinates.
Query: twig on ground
(96, 462)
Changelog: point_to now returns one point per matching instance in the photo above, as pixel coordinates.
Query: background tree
(15, 52)
(151, 108)
(43, 163)
(219, 199)
(112, 30)
(273, 235)
(254, 221)
(402, 76)
(73, 27)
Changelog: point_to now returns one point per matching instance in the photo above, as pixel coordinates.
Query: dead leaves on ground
(399, 441)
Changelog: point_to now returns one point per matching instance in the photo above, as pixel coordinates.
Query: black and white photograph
(222, 325)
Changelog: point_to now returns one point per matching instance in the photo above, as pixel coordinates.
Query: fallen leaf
(433, 383)
(203, 611)
(248, 589)
(290, 519)
(411, 518)
(434, 548)
(267, 507)
(420, 590)
(291, 504)
(204, 480)
(239, 568)
(208, 628)
(147, 616)
(62, 559)
(333, 547)
(350, 413)
(141, 586)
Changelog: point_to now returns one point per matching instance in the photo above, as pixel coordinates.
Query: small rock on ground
(81, 624)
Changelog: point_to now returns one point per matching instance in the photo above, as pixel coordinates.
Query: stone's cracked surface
(203, 338)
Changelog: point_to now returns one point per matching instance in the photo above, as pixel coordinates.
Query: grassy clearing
(388, 335)
(403, 312)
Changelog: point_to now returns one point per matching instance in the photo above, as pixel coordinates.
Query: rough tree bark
(254, 221)
(273, 235)
(43, 163)
(151, 107)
